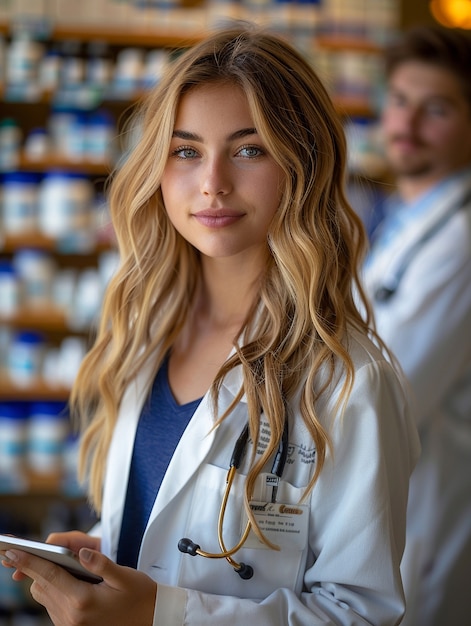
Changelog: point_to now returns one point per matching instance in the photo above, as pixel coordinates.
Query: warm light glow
(452, 13)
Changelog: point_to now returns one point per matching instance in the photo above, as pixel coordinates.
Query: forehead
(426, 80)
(213, 111)
(213, 94)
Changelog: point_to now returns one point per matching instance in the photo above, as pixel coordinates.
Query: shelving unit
(35, 494)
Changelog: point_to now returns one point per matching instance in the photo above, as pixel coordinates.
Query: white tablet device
(56, 554)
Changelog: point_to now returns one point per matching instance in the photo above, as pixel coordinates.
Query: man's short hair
(449, 49)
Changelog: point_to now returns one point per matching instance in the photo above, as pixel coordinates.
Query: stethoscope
(387, 290)
(190, 547)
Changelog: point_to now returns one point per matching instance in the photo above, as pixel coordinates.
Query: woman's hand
(73, 540)
(125, 596)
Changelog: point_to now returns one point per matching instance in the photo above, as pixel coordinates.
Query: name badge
(285, 525)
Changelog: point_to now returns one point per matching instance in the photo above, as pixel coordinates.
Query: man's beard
(412, 170)
(409, 166)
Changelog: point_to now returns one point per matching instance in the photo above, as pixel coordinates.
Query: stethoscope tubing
(187, 546)
(384, 292)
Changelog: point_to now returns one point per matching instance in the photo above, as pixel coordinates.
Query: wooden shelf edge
(33, 484)
(348, 43)
(62, 163)
(9, 243)
(132, 35)
(48, 318)
(353, 108)
(9, 392)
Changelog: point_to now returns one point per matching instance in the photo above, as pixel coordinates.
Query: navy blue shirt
(160, 427)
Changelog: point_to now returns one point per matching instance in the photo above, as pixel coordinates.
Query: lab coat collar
(390, 257)
(191, 451)
(197, 439)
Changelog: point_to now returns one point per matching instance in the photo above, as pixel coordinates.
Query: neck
(411, 187)
(228, 291)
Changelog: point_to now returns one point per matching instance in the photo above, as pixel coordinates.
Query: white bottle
(13, 436)
(36, 270)
(65, 204)
(23, 57)
(25, 358)
(48, 431)
(20, 202)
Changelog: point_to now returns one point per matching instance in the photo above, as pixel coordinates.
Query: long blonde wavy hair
(306, 302)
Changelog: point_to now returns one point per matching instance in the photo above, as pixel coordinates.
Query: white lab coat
(348, 569)
(427, 324)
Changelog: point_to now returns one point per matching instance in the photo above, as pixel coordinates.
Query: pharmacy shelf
(38, 390)
(43, 319)
(59, 162)
(153, 36)
(9, 243)
(40, 484)
(349, 107)
(172, 36)
(339, 43)
(126, 35)
(345, 106)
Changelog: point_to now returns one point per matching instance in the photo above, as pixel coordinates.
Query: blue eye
(250, 152)
(185, 152)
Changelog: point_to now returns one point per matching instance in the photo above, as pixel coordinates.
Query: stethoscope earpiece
(245, 571)
(187, 546)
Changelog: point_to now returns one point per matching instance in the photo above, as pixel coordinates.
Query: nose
(216, 177)
(411, 118)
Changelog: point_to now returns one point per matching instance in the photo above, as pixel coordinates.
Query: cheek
(173, 188)
(444, 136)
(167, 185)
(170, 200)
(275, 187)
(274, 204)
(391, 122)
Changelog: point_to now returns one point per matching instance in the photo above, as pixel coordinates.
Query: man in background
(418, 275)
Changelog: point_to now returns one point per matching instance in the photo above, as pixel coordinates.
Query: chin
(401, 167)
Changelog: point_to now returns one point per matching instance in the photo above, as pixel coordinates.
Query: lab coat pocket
(272, 568)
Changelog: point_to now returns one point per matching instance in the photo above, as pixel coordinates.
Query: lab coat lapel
(392, 256)
(195, 444)
(192, 450)
(119, 459)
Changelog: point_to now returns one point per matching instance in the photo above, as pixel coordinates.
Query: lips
(218, 218)
(407, 142)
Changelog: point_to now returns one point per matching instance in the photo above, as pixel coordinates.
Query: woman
(233, 305)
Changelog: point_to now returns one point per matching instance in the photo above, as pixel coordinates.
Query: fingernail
(85, 554)
(11, 556)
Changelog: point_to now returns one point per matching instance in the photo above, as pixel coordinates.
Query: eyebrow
(238, 134)
(442, 98)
